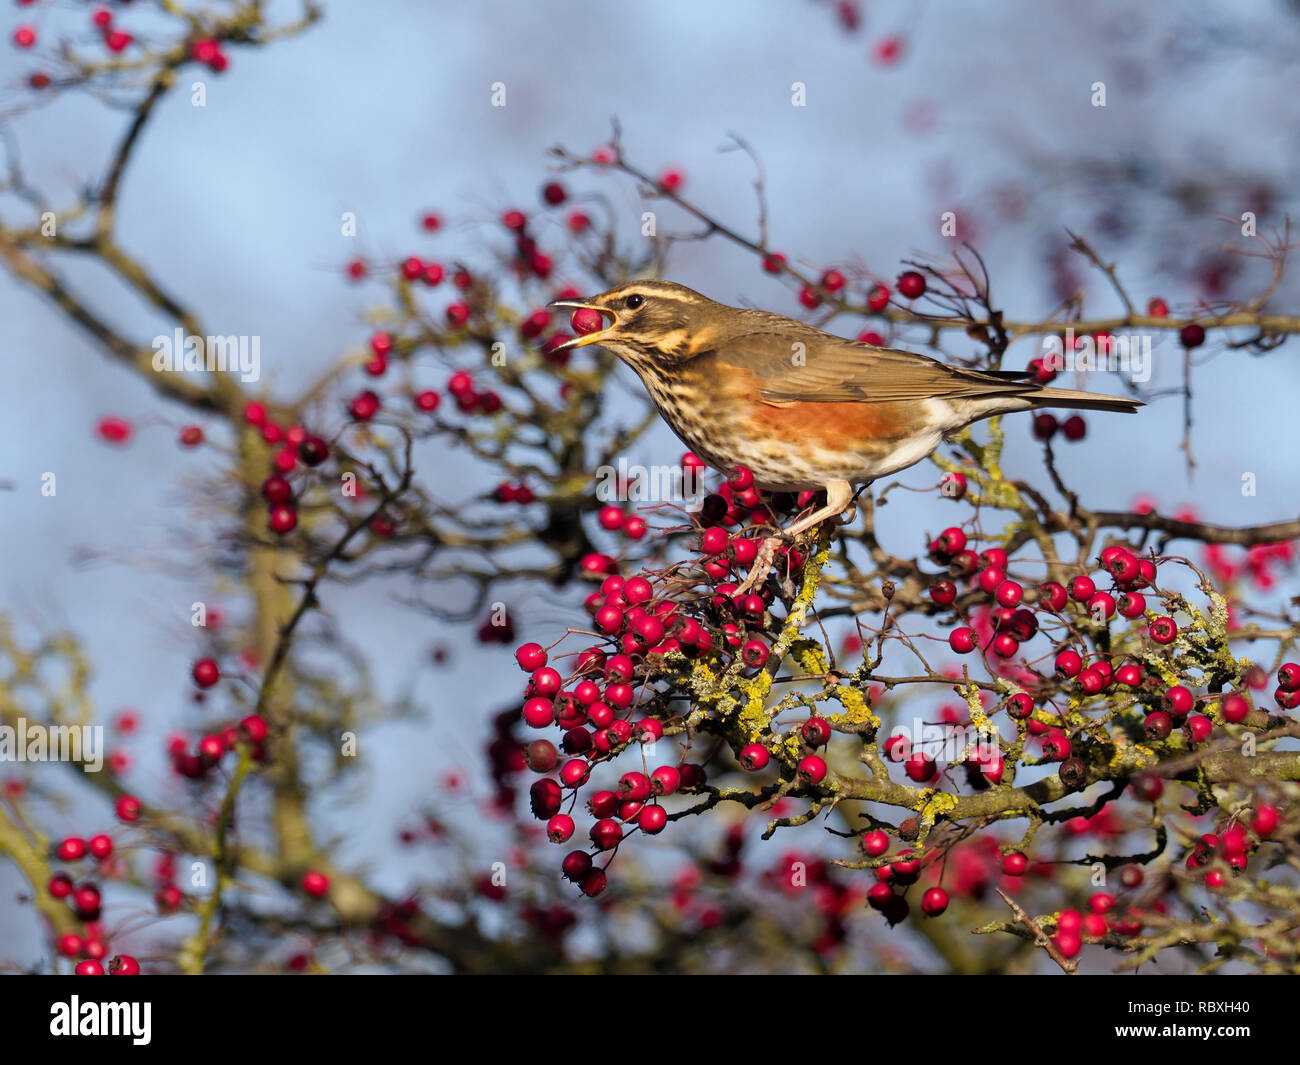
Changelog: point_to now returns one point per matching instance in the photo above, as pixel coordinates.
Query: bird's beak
(590, 338)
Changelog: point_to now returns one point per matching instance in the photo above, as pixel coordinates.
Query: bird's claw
(761, 567)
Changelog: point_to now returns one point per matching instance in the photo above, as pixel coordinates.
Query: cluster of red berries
(615, 519)
(468, 399)
(293, 446)
(88, 949)
(529, 258)
(1011, 624)
(115, 40)
(645, 623)
(910, 285)
(211, 748)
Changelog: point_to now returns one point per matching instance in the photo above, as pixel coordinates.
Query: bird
(800, 408)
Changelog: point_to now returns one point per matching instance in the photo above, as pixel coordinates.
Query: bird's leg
(839, 494)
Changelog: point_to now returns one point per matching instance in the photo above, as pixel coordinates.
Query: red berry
(753, 757)
(593, 883)
(1014, 863)
(606, 833)
(911, 285)
(962, 640)
(1042, 373)
(101, 846)
(364, 406)
(878, 298)
(1044, 426)
(816, 732)
(1288, 677)
(70, 945)
(1265, 821)
(1157, 308)
(531, 657)
(1132, 604)
(1009, 594)
(754, 654)
(1056, 748)
(282, 519)
(714, 541)
(205, 673)
(276, 490)
(1177, 701)
(874, 844)
(1004, 645)
(1091, 681)
(128, 808)
(880, 895)
(1052, 595)
(1074, 428)
(586, 320)
(1235, 709)
(652, 819)
(1120, 564)
(559, 828)
(576, 865)
(934, 901)
(24, 36)
(1192, 335)
(1198, 728)
(950, 542)
(897, 748)
(60, 885)
(1068, 664)
(1129, 675)
(539, 713)
(1164, 630)
(611, 518)
(953, 485)
(1020, 706)
(1157, 725)
(315, 884)
(919, 767)
(71, 849)
(1082, 589)
(124, 965)
(86, 901)
(811, 769)
(943, 592)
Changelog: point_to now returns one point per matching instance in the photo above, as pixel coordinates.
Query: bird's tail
(1069, 397)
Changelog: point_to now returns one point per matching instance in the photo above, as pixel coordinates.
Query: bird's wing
(814, 367)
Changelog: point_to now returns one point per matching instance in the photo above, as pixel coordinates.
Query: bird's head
(651, 325)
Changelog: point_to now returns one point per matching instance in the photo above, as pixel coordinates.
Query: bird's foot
(761, 567)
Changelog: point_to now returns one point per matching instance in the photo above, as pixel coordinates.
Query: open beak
(590, 338)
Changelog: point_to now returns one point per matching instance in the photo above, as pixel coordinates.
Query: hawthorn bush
(1038, 735)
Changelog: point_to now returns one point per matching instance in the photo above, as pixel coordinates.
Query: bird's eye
(633, 301)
